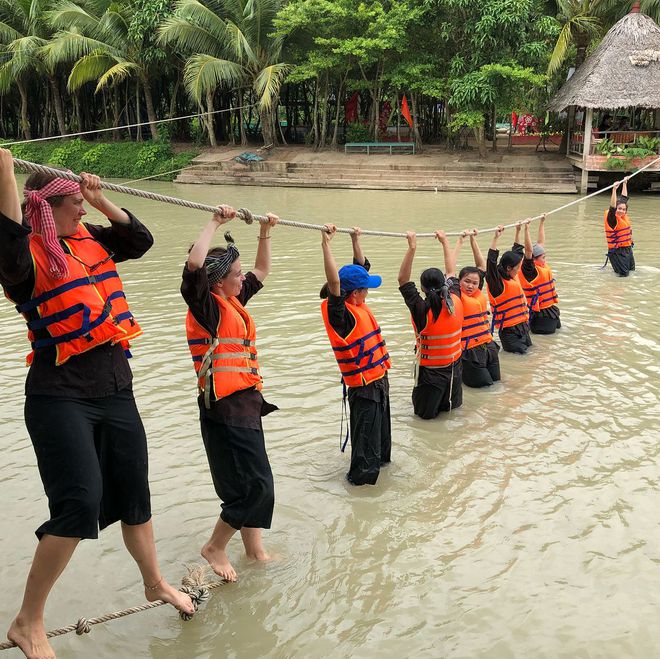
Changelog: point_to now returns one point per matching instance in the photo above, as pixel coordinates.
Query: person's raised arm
(90, 188)
(405, 271)
(496, 234)
(448, 253)
(262, 261)
(540, 240)
(10, 203)
(613, 197)
(331, 272)
(201, 247)
(528, 239)
(358, 255)
(479, 259)
(457, 249)
(516, 240)
(624, 188)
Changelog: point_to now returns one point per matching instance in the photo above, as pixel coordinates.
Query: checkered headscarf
(217, 267)
(39, 215)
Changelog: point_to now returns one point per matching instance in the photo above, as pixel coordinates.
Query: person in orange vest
(362, 357)
(437, 320)
(538, 282)
(480, 359)
(80, 413)
(222, 341)
(618, 232)
(508, 303)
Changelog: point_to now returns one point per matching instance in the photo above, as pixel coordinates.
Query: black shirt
(611, 214)
(528, 266)
(102, 371)
(242, 409)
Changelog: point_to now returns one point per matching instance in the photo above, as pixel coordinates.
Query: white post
(586, 145)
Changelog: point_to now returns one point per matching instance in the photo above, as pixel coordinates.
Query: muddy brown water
(524, 524)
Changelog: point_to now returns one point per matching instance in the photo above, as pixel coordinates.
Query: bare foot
(171, 595)
(31, 639)
(218, 560)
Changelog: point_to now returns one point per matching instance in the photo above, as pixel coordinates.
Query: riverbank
(436, 169)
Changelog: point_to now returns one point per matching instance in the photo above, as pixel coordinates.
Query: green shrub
(357, 132)
(68, 154)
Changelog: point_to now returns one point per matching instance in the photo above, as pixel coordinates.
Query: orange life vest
(621, 235)
(540, 292)
(362, 356)
(476, 328)
(82, 311)
(226, 362)
(509, 308)
(439, 343)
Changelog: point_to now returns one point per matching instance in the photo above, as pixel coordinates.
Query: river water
(524, 524)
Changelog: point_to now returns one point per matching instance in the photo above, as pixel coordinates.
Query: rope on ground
(248, 217)
(194, 585)
(142, 123)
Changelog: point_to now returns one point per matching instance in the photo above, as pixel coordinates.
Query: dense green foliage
(286, 69)
(109, 160)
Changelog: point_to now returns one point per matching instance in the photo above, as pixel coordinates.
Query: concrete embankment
(525, 172)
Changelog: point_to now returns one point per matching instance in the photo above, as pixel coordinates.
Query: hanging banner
(405, 111)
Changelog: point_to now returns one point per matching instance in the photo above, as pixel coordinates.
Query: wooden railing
(576, 139)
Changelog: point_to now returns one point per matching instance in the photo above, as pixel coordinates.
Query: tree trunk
(138, 118)
(493, 121)
(340, 94)
(115, 113)
(324, 115)
(151, 113)
(209, 118)
(480, 134)
(57, 102)
(315, 113)
(267, 125)
(417, 136)
(25, 122)
(241, 117)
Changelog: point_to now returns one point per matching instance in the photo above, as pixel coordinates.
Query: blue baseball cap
(352, 277)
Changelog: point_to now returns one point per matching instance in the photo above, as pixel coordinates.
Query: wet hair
(508, 260)
(621, 200)
(472, 270)
(435, 287)
(38, 180)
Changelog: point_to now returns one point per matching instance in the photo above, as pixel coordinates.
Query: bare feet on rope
(163, 591)
(219, 562)
(31, 639)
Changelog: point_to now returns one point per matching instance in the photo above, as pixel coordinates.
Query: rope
(248, 217)
(194, 585)
(143, 123)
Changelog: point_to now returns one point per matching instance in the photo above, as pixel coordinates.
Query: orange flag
(405, 111)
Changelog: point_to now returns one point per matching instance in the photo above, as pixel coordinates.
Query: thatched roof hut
(624, 71)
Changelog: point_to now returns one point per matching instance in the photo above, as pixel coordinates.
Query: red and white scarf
(39, 215)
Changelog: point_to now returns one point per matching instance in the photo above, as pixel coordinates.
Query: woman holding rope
(481, 362)
(80, 413)
(507, 299)
(437, 320)
(222, 339)
(618, 231)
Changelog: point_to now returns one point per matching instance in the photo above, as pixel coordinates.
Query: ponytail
(435, 286)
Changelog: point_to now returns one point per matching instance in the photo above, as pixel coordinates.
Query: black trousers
(622, 260)
(241, 473)
(546, 321)
(515, 339)
(438, 390)
(371, 435)
(92, 458)
(481, 365)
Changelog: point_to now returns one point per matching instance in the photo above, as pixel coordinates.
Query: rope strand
(248, 217)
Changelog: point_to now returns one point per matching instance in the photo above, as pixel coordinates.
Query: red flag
(405, 111)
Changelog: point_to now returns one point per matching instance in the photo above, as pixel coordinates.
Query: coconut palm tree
(95, 36)
(23, 34)
(230, 43)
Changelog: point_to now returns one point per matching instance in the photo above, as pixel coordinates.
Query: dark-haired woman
(222, 340)
(618, 231)
(85, 428)
(508, 303)
(481, 362)
(437, 320)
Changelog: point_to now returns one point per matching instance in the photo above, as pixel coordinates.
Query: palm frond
(560, 51)
(188, 38)
(8, 34)
(71, 46)
(117, 74)
(267, 84)
(204, 72)
(67, 15)
(87, 68)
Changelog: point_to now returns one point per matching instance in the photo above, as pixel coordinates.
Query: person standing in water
(538, 282)
(362, 358)
(222, 340)
(480, 359)
(86, 431)
(437, 320)
(507, 299)
(618, 232)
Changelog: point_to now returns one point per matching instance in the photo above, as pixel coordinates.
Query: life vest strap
(367, 366)
(361, 355)
(34, 302)
(218, 341)
(433, 337)
(481, 314)
(473, 337)
(357, 342)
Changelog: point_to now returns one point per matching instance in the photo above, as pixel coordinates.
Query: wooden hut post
(584, 178)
